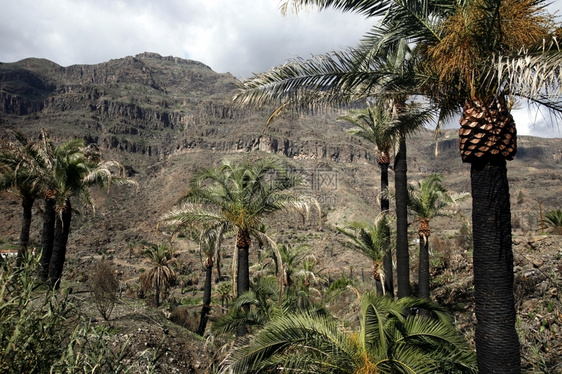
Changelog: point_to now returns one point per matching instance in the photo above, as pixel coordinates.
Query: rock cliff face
(151, 105)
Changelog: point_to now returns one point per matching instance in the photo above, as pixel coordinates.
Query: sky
(241, 37)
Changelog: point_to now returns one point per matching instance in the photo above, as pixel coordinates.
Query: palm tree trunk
(401, 186)
(218, 258)
(387, 260)
(27, 205)
(206, 297)
(62, 230)
(157, 294)
(423, 270)
(243, 281)
(48, 235)
(497, 344)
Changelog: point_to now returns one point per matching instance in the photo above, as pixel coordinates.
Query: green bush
(41, 331)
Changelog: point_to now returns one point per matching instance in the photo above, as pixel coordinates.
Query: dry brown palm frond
(474, 34)
(524, 24)
(456, 54)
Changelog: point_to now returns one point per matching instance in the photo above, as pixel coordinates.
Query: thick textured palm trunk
(487, 139)
(402, 254)
(423, 269)
(27, 205)
(387, 260)
(243, 281)
(62, 230)
(206, 309)
(497, 343)
(47, 236)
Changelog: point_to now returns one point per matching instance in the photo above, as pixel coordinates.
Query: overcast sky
(237, 36)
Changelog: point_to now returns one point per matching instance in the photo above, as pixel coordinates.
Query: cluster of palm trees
(238, 196)
(279, 310)
(427, 59)
(39, 169)
(469, 56)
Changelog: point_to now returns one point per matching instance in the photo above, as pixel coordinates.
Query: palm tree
(69, 170)
(389, 340)
(15, 174)
(161, 275)
(479, 56)
(375, 125)
(427, 201)
(209, 244)
(473, 56)
(240, 196)
(371, 240)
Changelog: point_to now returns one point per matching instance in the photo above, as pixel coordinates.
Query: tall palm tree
(427, 201)
(209, 240)
(473, 56)
(240, 196)
(18, 176)
(371, 240)
(161, 275)
(375, 125)
(480, 55)
(389, 340)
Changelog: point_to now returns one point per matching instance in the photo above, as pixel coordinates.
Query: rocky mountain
(164, 117)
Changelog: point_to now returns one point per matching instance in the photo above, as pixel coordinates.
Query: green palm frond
(241, 194)
(323, 80)
(429, 198)
(390, 340)
(553, 218)
(370, 239)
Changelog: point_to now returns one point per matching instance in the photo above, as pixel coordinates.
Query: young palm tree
(389, 340)
(266, 303)
(161, 275)
(371, 240)
(473, 56)
(17, 176)
(554, 219)
(240, 196)
(427, 201)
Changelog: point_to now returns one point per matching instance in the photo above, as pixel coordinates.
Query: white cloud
(242, 36)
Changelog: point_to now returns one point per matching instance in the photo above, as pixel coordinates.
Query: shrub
(104, 286)
(41, 331)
